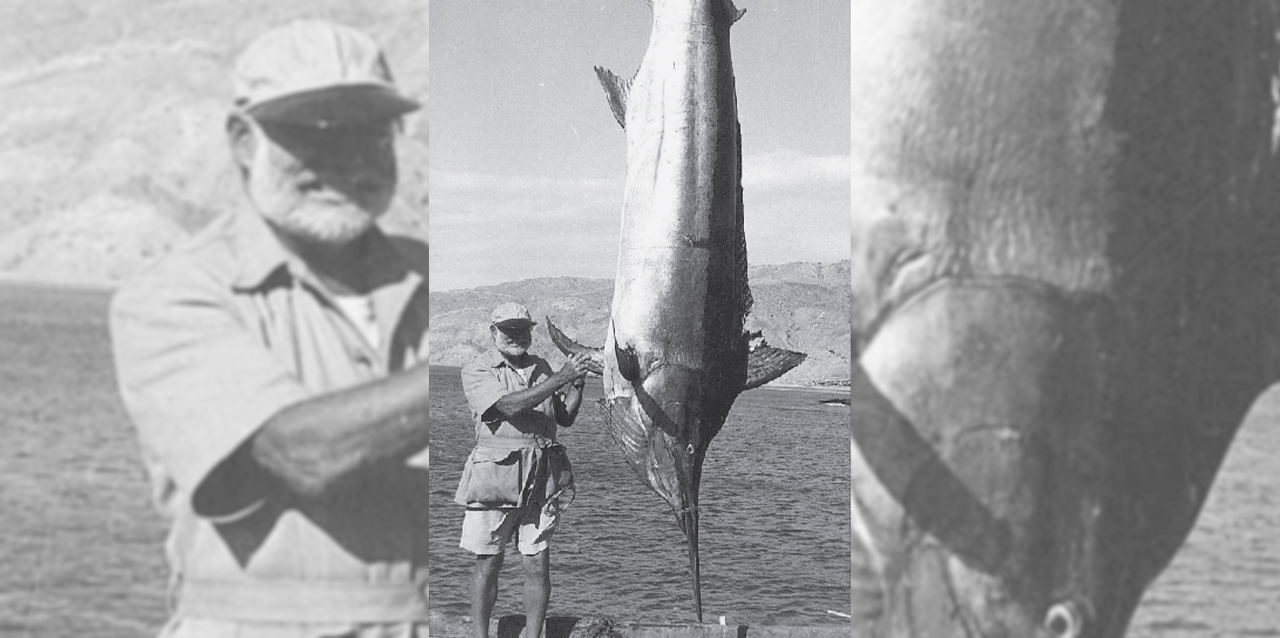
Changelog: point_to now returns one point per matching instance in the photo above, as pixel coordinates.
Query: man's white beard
(279, 200)
(512, 350)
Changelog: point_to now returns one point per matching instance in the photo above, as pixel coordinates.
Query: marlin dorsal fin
(617, 90)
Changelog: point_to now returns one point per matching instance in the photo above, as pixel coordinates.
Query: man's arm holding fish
(568, 401)
(521, 400)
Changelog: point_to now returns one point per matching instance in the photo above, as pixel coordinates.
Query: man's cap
(511, 315)
(317, 73)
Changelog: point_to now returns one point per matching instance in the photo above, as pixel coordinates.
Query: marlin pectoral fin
(734, 11)
(617, 90)
(628, 362)
(764, 364)
(568, 346)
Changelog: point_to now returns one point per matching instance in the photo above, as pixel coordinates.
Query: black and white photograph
(662, 189)
(1023, 256)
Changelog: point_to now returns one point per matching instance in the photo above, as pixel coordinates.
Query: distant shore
(814, 387)
(787, 387)
(88, 284)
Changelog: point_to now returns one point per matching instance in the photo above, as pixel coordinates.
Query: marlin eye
(1064, 620)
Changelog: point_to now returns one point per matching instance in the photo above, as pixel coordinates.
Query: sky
(527, 163)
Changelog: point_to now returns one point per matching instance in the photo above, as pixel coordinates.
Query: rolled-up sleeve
(483, 388)
(196, 381)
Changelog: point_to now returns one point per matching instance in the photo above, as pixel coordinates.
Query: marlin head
(1063, 283)
(663, 427)
(977, 411)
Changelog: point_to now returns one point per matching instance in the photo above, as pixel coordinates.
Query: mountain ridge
(801, 306)
(112, 143)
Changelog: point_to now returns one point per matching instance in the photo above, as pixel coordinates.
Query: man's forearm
(567, 406)
(314, 443)
(527, 399)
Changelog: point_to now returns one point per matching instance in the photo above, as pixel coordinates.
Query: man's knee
(488, 563)
(538, 565)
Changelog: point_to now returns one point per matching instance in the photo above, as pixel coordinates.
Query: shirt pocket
(492, 478)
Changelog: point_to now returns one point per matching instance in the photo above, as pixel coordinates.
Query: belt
(502, 443)
(301, 601)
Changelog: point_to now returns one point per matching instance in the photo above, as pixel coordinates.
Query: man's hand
(574, 369)
(516, 402)
(568, 401)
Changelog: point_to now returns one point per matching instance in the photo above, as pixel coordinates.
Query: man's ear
(242, 139)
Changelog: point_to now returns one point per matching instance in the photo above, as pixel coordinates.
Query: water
(82, 544)
(775, 536)
(1225, 581)
(81, 547)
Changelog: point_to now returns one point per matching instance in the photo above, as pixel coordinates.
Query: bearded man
(514, 479)
(275, 365)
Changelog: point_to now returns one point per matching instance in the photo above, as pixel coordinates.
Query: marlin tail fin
(570, 347)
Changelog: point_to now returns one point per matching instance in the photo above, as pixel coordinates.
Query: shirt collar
(495, 358)
(262, 255)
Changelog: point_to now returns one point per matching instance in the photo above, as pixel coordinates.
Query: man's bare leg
(537, 592)
(484, 592)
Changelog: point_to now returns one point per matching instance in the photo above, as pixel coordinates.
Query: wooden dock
(580, 627)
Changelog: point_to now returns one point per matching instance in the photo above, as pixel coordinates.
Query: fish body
(1064, 251)
(675, 351)
(676, 355)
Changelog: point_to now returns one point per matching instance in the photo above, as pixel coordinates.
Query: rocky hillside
(111, 143)
(799, 306)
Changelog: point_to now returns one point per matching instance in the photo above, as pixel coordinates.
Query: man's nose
(357, 169)
(359, 160)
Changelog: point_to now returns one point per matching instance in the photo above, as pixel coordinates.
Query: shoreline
(792, 387)
(87, 284)
(781, 387)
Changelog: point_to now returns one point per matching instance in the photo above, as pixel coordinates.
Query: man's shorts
(486, 532)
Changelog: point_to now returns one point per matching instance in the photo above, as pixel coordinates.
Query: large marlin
(676, 355)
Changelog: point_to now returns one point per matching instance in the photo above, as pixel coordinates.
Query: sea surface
(775, 536)
(1225, 581)
(80, 546)
(81, 543)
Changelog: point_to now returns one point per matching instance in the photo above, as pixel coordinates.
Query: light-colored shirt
(210, 343)
(359, 310)
(490, 377)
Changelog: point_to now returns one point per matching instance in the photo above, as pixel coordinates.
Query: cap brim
(516, 323)
(335, 105)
